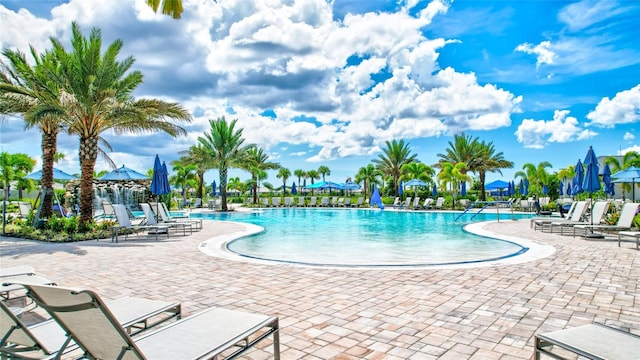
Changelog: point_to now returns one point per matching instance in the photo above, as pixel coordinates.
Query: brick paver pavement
(480, 313)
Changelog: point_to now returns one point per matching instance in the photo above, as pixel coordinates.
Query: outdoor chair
(24, 209)
(396, 202)
(275, 201)
(150, 218)
(340, 202)
(48, 339)
(212, 333)
(312, 202)
(300, 201)
(334, 201)
(347, 202)
(265, 202)
(597, 215)
(358, 202)
(166, 218)
(630, 234)
(198, 203)
(19, 274)
(625, 222)
(576, 217)
(439, 203)
(539, 223)
(427, 203)
(416, 203)
(592, 341)
(108, 212)
(288, 201)
(324, 202)
(124, 222)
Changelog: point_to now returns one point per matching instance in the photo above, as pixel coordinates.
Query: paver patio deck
(480, 313)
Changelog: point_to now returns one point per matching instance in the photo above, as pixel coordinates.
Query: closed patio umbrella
(159, 182)
(294, 191)
(463, 188)
(606, 179)
(578, 179)
(560, 189)
(376, 199)
(591, 180)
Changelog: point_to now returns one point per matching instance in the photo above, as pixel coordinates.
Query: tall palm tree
(12, 167)
(29, 91)
(184, 174)
(369, 176)
(417, 170)
(257, 162)
(299, 173)
(283, 174)
(172, 8)
(630, 158)
(324, 171)
(225, 146)
(96, 96)
(453, 174)
(489, 161)
(396, 154)
(537, 175)
(197, 156)
(313, 175)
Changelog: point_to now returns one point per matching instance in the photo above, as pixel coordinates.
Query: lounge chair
(265, 202)
(275, 201)
(150, 218)
(312, 202)
(629, 234)
(206, 335)
(324, 202)
(427, 203)
(439, 203)
(358, 202)
(347, 202)
(625, 222)
(165, 218)
(539, 222)
(288, 202)
(108, 212)
(24, 209)
(598, 213)
(334, 201)
(592, 341)
(416, 203)
(340, 202)
(576, 217)
(396, 202)
(19, 274)
(300, 201)
(198, 203)
(124, 222)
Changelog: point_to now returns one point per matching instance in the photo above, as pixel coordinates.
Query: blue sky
(318, 82)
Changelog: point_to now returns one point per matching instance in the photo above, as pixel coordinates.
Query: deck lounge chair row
(80, 319)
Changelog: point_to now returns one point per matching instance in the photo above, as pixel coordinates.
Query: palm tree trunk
(49, 145)
(223, 187)
(482, 176)
(255, 188)
(88, 156)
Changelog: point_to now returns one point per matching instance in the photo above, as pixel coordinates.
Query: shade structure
(376, 199)
(325, 185)
(578, 179)
(160, 180)
(294, 190)
(497, 185)
(123, 174)
(415, 182)
(213, 188)
(628, 175)
(350, 185)
(606, 179)
(463, 188)
(57, 175)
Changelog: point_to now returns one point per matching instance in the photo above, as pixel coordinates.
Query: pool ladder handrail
(487, 204)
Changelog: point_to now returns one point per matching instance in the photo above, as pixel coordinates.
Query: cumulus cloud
(628, 136)
(563, 128)
(543, 52)
(635, 148)
(624, 108)
(340, 86)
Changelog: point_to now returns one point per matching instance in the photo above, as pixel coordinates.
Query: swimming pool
(339, 237)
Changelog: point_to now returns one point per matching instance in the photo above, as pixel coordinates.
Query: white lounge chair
(427, 203)
(312, 202)
(539, 222)
(416, 203)
(592, 341)
(625, 222)
(439, 203)
(629, 234)
(24, 209)
(347, 202)
(265, 202)
(124, 222)
(91, 324)
(396, 202)
(300, 201)
(150, 218)
(166, 218)
(275, 201)
(324, 202)
(358, 202)
(576, 217)
(19, 274)
(598, 213)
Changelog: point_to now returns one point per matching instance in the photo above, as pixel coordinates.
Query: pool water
(339, 237)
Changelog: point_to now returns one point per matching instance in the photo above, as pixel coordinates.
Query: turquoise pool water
(339, 237)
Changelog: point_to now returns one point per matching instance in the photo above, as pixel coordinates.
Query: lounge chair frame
(205, 335)
(124, 223)
(592, 341)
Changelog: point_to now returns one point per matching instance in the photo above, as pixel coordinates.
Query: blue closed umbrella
(569, 188)
(578, 179)
(545, 189)
(606, 179)
(434, 191)
(400, 190)
(521, 187)
(591, 179)
(463, 188)
(213, 188)
(376, 199)
(526, 187)
(294, 191)
(157, 181)
(560, 188)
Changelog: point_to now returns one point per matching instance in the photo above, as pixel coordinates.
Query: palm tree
(453, 174)
(417, 170)
(12, 167)
(313, 175)
(396, 154)
(489, 161)
(283, 174)
(172, 8)
(197, 156)
(537, 175)
(96, 96)
(257, 162)
(29, 90)
(324, 170)
(630, 158)
(299, 174)
(184, 174)
(370, 176)
(224, 144)
(234, 183)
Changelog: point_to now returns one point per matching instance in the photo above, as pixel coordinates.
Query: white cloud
(586, 13)
(563, 128)
(543, 52)
(628, 136)
(635, 148)
(624, 108)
